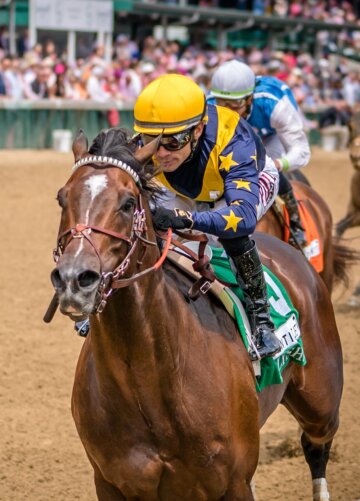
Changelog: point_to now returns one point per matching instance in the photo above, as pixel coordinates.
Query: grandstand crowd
(323, 10)
(40, 72)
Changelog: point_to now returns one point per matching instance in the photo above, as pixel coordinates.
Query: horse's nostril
(56, 279)
(88, 278)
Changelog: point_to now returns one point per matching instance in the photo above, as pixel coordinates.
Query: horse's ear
(80, 145)
(144, 154)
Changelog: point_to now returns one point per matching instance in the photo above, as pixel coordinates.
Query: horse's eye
(128, 205)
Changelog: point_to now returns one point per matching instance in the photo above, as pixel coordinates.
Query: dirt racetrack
(41, 457)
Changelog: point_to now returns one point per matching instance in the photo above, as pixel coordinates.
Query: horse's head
(104, 221)
(354, 150)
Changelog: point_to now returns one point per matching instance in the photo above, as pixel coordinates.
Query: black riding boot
(296, 227)
(251, 278)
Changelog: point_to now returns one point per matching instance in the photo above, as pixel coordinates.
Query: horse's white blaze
(81, 240)
(320, 490)
(96, 184)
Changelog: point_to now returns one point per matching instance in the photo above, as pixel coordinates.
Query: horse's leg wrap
(320, 490)
(251, 277)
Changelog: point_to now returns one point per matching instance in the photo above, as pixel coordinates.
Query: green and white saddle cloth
(283, 314)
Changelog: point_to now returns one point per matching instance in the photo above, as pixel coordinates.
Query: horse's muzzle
(76, 290)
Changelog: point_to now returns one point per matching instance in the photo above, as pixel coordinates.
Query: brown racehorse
(164, 396)
(337, 257)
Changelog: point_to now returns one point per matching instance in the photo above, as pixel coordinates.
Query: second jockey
(270, 107)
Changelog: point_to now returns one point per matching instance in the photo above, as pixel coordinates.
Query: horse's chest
(141, 466)
(136, 472)
(141, 472)
(146, 454)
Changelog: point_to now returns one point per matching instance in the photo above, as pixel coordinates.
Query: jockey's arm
(268, 190)
(241, 193)
(288, 124)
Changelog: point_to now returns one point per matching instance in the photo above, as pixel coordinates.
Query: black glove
(176, 219)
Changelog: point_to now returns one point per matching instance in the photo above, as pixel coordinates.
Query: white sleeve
(290, 130)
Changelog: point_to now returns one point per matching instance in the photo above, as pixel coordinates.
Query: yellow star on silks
(232, 221)
(227, 162)
(242, 184)
(236, 202)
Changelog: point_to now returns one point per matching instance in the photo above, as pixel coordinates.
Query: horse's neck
(139, 327)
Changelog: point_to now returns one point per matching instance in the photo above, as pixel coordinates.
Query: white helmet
(233, 80)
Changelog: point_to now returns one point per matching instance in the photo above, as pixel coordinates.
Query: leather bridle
(113, 280)
(110, 281)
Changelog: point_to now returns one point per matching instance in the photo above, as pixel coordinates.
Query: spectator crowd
(332, 11)
(42, 73)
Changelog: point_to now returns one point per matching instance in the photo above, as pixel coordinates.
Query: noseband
(112, 280)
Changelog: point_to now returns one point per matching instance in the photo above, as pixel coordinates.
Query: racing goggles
(232, 104)
(173, 142)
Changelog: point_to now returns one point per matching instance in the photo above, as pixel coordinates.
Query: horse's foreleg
(317, 457)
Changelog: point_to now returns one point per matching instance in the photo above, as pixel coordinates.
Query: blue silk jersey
(268, 93)
(226, 163)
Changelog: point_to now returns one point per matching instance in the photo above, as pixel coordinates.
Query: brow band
(99, 159)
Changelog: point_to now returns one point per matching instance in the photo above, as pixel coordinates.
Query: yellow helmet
(170, 104)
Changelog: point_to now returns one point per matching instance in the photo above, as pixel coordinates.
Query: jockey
(270, 107)
(209, 154)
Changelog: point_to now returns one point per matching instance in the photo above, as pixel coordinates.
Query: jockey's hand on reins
(177, 219)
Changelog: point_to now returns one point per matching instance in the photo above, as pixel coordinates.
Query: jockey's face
(241, 106)
(169, 161)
